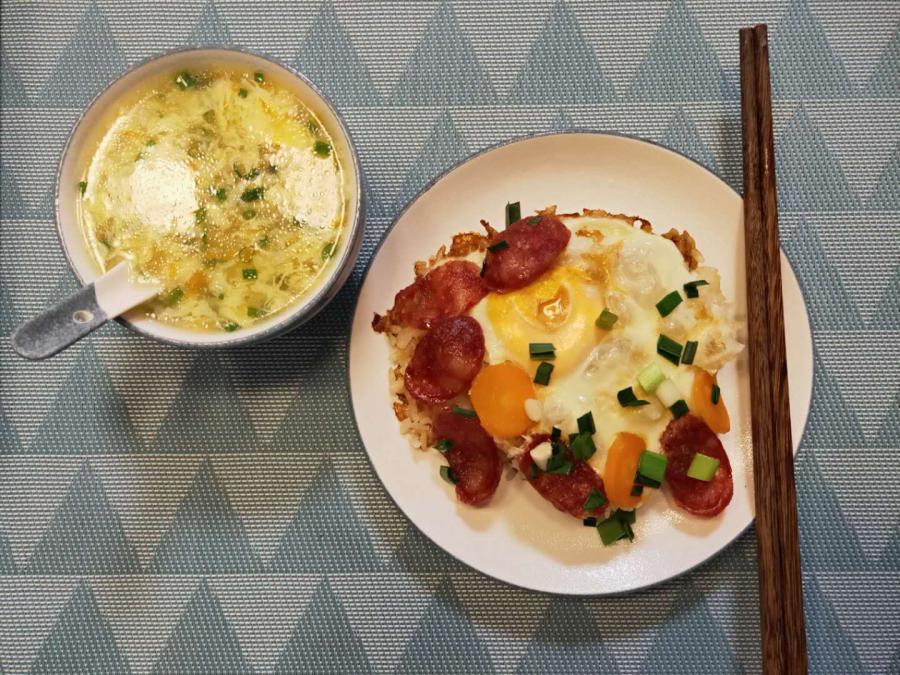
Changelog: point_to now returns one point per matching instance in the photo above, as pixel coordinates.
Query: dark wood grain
(780, 580)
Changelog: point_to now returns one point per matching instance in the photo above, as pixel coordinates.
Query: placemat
(170, 511)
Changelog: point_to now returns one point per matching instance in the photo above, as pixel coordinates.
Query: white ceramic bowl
(81, 145)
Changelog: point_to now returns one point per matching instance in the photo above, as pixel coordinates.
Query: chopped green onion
(184, 80)
(669, 349)
(252, 194)
(172, 297)
(259, 77)
(679, 408)
(465, 412)
(499, 246)
(483, 268)
(611, 530)
(327, 251)
(242, 92)
(637, 490)
(255, 312)
(558, 464)
(534, 471)
(583, 447)
(513, 212)
(221, 194)
(606, 319)
(449, 475)
(690, 288)
(628, 399)
(555, 434)
(322, 148)
(542, 374)
(200, 216)
(595, 500)
(248, 214)
(209, 116)
(230, 326)
(82, 186)
(443, 446)
(586, 423)
(250, 273)
(716, 394)
(263, 242)
(650, 378)
(652, 465)
(246, 175)
(626, 516)
(534, 220)
(668, 303)
(703, 467)
(647, 482)
(590, 521)
(690, 351)
(541, 351)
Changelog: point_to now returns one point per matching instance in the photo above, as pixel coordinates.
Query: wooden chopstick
(780, 580)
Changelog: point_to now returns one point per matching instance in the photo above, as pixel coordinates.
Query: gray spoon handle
(60, 326)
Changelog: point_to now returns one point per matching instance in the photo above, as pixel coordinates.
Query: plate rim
(575, 131)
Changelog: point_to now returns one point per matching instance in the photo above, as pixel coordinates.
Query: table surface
(179, 511)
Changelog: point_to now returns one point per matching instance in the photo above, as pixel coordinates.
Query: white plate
(520, 538)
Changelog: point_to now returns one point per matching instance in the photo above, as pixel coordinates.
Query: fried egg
(610, 264)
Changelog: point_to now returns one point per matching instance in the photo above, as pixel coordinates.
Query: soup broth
(222, 186)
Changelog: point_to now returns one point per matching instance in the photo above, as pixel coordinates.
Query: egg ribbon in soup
(222, 186)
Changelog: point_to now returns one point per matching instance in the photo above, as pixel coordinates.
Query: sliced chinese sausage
(683, 438)
(568, 493)
(448, 290)
(531, 247)
(474, 457)
(446, 360)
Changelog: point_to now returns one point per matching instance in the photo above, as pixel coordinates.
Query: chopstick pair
(780, 580)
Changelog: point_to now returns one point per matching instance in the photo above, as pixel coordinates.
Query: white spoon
(71, 319)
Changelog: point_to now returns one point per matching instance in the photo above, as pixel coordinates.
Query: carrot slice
(621, 466)
(714, 414)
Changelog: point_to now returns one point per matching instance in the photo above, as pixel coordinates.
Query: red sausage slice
(446, 360)
(474, 457)
(448, 290)
(566, 493)
(533, 245)
(681, 439)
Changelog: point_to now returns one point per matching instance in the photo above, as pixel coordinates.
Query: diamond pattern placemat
(170, 511)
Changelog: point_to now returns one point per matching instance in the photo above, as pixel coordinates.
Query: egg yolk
(498, 395)
(556, 308)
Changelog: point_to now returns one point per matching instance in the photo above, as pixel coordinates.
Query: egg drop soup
(222, 186)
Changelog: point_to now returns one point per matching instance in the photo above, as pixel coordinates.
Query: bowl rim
(330, 284)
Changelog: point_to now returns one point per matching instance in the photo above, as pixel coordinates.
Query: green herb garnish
(690, 351)
(582, 446)
(534, 220)
(716, 394)
(513, 212)
(668, 303)
(499, 246)
(252, 194)
(443, 446)
(248, 214)
(249, 273)
(465, 412)
(559, 465)
(543, 372)
(259, 77)
(82, 187)
(606, 320)
(595, 500)
(242, 92)
(541, 351)
(221, 194)
(185, 80)
(231, 326)
(327, 251)
(628, 399)
(209, 116)
(669, 349)
(691, 288)
(679, 408)
(322, 148)
(172, 297)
